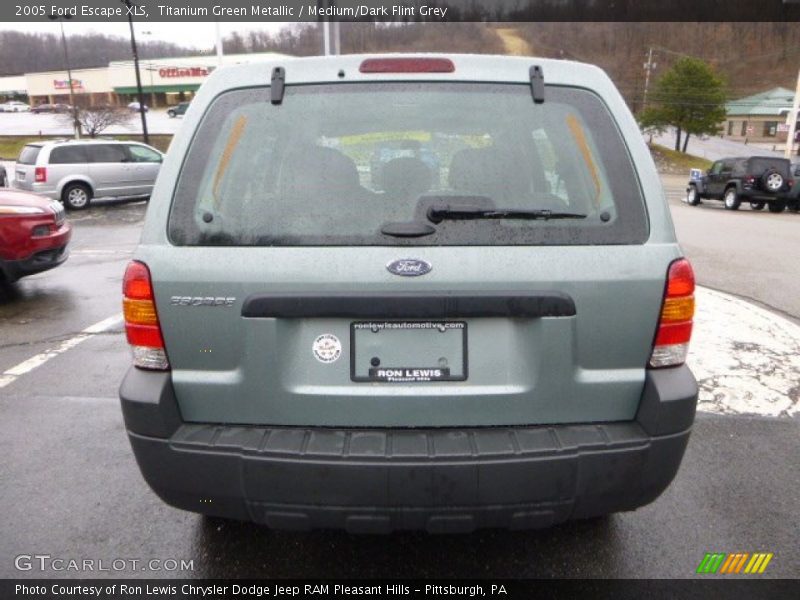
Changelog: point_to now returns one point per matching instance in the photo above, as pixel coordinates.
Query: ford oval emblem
(409, 267)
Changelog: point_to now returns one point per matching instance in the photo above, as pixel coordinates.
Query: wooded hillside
(752, 57)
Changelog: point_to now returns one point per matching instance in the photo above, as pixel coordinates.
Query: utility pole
(139, 92)
(793, 121)
(219, 45)
(649, 66)
(331, 39)
(76, 126)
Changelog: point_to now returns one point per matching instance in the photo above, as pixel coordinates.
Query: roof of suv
(468, 67)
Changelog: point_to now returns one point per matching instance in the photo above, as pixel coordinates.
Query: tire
(776, 206)
(171, 114)
(76, 196)
(731, 199)
(793, 206)
(693, 196)
(758, 205)
(772, 181)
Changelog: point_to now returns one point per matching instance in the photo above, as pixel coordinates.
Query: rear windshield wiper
(437, 215)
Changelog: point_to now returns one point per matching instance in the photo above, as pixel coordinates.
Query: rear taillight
(141, 319)
(40, 174)
(675, 323)
(407, 65)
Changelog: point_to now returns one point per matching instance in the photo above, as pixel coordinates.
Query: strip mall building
(165, 81)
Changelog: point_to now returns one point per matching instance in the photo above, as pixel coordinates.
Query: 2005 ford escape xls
(392, 292)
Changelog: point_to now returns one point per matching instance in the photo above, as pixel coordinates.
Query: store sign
(63, 84)
(171, 72)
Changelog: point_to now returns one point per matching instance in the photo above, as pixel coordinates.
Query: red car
(34, 234)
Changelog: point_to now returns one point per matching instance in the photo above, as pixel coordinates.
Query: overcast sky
(192, 35)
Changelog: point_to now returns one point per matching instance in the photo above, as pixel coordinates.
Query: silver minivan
(75, 171)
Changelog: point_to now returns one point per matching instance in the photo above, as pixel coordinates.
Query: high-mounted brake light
(141, 319)
(675, 323)
(407, 65)
(40, 174)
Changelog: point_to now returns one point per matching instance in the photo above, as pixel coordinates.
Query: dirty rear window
(334, 164)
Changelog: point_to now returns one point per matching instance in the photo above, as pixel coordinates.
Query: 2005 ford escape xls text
(393, 292)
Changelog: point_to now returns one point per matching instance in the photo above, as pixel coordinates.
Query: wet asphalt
(70, 488)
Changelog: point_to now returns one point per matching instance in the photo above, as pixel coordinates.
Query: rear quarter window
(334, 163)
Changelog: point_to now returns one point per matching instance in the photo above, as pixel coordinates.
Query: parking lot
(71, 488)
(49, 124)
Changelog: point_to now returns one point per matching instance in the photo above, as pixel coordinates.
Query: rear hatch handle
(408, 305)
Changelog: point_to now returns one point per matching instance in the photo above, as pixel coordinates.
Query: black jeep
(759, 180)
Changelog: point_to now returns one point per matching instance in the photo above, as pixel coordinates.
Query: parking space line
(26, 366)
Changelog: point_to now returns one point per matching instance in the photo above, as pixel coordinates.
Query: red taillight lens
(407, 65)
(141, 319)
(680, 280)
(677, 311)
(40, 174)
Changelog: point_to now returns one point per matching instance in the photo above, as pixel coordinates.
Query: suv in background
(793, 202)
(75, 171)
(501, 346)
(759, 180)
(177, 110)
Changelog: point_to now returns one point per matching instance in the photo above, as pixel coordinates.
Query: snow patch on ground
(746, 359)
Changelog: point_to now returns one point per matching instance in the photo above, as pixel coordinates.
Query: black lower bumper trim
(380, 479)
(41, 261)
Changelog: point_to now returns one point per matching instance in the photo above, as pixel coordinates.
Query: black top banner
(403, 10)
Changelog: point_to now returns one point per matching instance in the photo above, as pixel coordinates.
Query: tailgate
(460, 346)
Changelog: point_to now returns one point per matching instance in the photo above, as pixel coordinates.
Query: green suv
(492, 336)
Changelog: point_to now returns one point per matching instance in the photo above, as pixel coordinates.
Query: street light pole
(139, 91)
(793, 116)
(648, 68)
(73, 108)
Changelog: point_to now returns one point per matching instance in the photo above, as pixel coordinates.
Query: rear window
(333, 164)
(28, 155)
(68, 155)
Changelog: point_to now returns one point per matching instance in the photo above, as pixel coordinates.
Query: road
(753, 254)
(71, 487)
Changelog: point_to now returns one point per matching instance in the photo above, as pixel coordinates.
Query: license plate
(408, 351)
(20, 176)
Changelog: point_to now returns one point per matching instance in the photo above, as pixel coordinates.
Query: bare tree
(96, 119)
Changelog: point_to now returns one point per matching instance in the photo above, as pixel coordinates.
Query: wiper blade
(437, 215)
(407, 229)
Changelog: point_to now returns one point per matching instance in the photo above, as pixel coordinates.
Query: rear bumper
(762, 196)
(379, 480)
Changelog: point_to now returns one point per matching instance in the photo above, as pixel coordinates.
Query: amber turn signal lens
(139, 312)
(677, 309)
